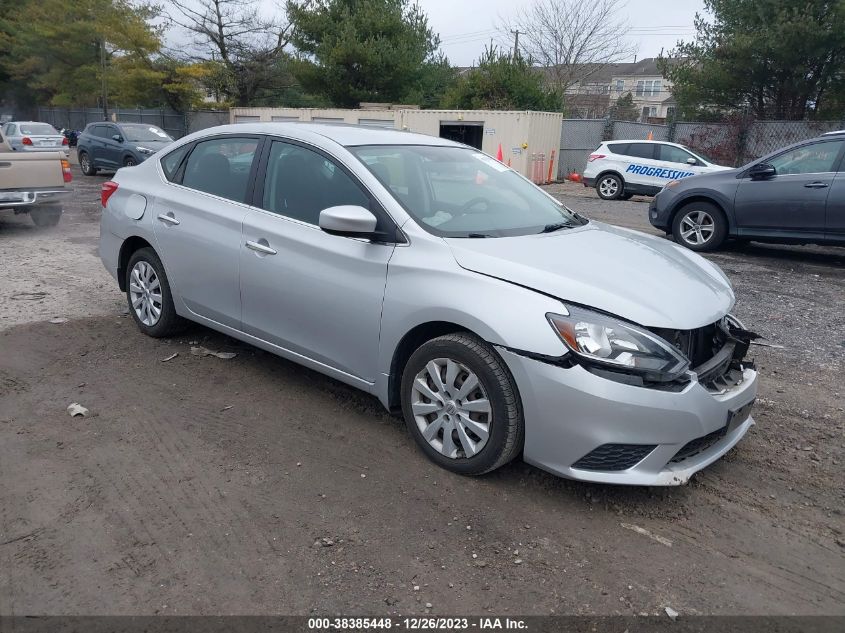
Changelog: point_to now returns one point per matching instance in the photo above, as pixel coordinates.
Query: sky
(467, 26)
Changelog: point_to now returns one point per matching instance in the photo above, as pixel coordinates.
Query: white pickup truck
(34, 183)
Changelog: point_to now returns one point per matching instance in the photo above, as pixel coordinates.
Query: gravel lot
(251, 485)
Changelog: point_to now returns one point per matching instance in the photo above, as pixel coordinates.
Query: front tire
(700, 226)
(45, 217)
(129, 162)
(86, 165)
(610, 187)
(461, 404)
(149, 297)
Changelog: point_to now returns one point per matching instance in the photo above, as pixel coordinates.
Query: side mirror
(762, 171)
(348, 220)
(691, 161)
(118, 138)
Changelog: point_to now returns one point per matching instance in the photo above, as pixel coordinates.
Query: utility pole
(105, 91)
(515, 43)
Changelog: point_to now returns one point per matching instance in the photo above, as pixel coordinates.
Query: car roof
(345, 134)
(642, 140)
(834, 133)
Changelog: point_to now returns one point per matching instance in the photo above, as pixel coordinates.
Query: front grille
(699, 445)
(614, 457)
(716, 353)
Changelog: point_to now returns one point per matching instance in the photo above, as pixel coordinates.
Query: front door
(835, 210)
(792, 203)
(315, 294)
(198, 226)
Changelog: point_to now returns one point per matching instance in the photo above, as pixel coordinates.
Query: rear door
(198, 223)
(99, 149)
(639, 164)
(793, 202)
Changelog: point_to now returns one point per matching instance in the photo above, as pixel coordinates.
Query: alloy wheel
(609, 187)
(83, 162)
(697, 227)
(145, 293)
(451, 408)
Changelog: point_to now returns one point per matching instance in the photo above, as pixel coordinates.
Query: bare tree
(242, 46)
(572, 39)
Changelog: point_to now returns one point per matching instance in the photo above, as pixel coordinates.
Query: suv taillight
(106, 191)
(26, 140)
(66, 171)
(595, 157)
(65, 141)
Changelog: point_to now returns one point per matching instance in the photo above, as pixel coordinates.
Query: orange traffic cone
(650, 136)
(499, 155)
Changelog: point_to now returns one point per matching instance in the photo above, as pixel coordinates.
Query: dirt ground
(250, 485)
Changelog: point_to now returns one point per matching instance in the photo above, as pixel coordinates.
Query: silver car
(32, 136)
(430, 275)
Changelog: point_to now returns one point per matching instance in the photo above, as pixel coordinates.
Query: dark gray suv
(794, 196)
(110, 146)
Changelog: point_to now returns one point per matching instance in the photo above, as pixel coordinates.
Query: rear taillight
(26, 140)
(66, 171)
(595, 157)
(65, 141)
(106, 191)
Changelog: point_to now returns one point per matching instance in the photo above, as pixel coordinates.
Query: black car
(793, 196)
(111, 146)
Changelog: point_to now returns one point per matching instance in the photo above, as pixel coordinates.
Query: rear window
(170, 163)
(636, 150)
(37, 129)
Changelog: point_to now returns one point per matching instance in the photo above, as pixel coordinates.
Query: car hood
(644, 279)
(153, 145)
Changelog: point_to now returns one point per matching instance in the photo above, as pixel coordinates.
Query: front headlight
(616, 345)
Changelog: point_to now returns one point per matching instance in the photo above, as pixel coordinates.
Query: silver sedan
(424, 272)
(32, 136)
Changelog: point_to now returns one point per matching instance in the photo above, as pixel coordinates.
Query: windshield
(458, 192)
(37, 129)
(139, 133)
(700, 156)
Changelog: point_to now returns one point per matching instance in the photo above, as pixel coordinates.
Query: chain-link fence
(733, 143)
(177, 124)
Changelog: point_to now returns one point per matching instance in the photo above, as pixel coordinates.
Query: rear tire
(451, 425)
(129, 162)
(45, 217)
(149, 297)
(86, 165)
(610, 187)
(700, 226)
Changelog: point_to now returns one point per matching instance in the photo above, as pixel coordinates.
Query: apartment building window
(620, 85)
(649, 87)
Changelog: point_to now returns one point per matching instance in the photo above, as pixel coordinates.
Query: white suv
(620, 169)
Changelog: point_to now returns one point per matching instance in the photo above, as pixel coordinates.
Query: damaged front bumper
(585, 425)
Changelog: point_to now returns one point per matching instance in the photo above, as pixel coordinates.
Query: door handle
(261, 247)
(168, 219)
(816, 185)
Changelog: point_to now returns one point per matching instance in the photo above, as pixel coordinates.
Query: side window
(221, 167)
(641, 150)
(815, 158)
(10, 129)
(672, 154)
(170, 163)
(619, 148)
(103, 131)
(300, 183)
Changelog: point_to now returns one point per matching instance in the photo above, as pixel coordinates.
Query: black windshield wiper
(551, 228)
(478, 235)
